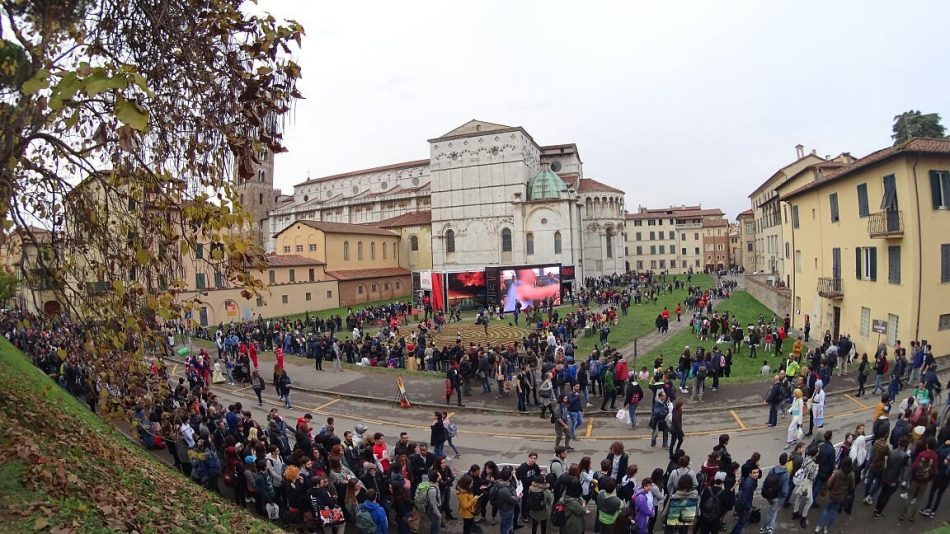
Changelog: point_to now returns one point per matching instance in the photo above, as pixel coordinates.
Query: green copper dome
(546, 185)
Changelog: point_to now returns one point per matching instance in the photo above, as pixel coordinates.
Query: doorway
(836, 323)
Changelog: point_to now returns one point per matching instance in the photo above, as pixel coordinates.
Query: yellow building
(674, 239)
(745, 255)
(871, 244)
(364, 259)
(415, 244)
(31, 255)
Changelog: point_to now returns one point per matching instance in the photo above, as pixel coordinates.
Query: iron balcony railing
(886, 224)
(830, 288)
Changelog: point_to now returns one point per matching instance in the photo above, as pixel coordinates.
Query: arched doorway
(52, 307)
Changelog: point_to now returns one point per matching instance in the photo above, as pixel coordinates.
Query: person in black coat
(438, 434)
(622, 460)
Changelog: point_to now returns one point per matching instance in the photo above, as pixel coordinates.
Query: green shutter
(872, 252)
(863, 200)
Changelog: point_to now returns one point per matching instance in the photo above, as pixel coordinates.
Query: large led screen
(528, 285)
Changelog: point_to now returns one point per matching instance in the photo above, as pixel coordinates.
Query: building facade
(493, 196)
(746, 227)
(871, 244)
(677, 239)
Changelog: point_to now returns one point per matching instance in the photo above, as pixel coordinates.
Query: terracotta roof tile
(290, 260)
(359, 274)
(593, 186)
(917, 145)
(713, 223)
(746, 213)
(342, 228)
(419, 218)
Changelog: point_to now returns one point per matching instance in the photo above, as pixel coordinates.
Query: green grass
(744, 369)
(640, 320)
(63, 467)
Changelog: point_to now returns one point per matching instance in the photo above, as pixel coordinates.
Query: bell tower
(258, 195)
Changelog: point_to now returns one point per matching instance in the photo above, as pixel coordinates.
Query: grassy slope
(747, 309)
(61, 467)
(641, 319)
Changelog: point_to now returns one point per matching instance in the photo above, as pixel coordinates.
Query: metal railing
(886, 224)
(830, 287)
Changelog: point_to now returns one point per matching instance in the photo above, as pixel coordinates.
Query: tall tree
(123, 128)
(913, 123)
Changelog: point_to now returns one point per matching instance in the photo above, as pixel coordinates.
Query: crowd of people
(315, 478)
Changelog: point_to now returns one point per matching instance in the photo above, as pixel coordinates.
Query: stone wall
(775, 299)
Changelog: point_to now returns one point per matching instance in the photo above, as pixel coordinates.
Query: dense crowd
(315, 478)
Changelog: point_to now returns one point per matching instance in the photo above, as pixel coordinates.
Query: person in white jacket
(796, 412)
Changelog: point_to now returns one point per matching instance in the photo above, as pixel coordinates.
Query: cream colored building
(871, 242)
(746, 226)
(30, 254)
(364, 259)
(676, 239)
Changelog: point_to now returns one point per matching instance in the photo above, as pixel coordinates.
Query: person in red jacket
(621, 373)
(679, 312)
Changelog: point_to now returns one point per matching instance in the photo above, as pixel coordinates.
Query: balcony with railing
(886, 224)
(830, 288)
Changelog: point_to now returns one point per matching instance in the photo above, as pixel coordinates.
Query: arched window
(610, 243)
(589, 207)
(385, 246)
(359, 251)
(414, 243)
(372, 250)
(374, 288)
(449, 241)
(260, 199)
(360, 290)
(506, 240)
(557, 242)
(346, 251)
(529, 244)
(398, 285)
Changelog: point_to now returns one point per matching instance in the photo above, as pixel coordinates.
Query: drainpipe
(920, 252)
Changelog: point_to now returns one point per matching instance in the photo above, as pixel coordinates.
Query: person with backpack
(774, 488)
(699, 382)
(644, 506)
(561, 420)
(923, 471)
(275, 470)
(258, 385)
(632, 398)
(940, 483)
(608, 506)
(428, 500)
(839, 487)
(712, 505)
(568, 513)
(744, 499)
(371, 517)
(804, 485)
(610, 388)
(877, 455)
(539, 503)
(505, 499)
(893, 476)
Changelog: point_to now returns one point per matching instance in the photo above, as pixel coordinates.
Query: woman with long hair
(485, 482)
(586, 477)
(467, 502)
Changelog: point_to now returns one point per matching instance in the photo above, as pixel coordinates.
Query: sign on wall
(879, 326)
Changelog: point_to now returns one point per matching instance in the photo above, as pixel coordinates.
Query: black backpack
(535, 501)
(709, 507)
(772, 485)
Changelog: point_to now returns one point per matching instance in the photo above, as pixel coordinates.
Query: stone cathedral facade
(487, 195)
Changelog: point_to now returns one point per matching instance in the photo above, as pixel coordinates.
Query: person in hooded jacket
(608, 506)
(644, 506)
(540, 517)
(573, 508)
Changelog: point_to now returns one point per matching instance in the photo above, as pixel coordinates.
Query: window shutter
(894, 264)
(833, 201)
(857, 262)
(872, 257)
(889, 202)
(935, 188)
(945, 263)
(863, 200)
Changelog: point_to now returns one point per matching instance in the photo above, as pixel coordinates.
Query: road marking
(856, 401)
(738, 420)
(590, 426)
(240, 389)
(322, 406)
(174, 369)
(450, 415)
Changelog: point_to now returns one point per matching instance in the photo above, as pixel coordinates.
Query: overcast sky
(673, 102)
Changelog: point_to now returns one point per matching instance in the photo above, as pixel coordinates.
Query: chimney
(800, 150)
(814, 152)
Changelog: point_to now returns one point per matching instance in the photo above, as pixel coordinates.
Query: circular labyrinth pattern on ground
(498, 333)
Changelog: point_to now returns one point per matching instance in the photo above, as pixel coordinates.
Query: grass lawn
(747, 310)
(65, 469)
(641, 319)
